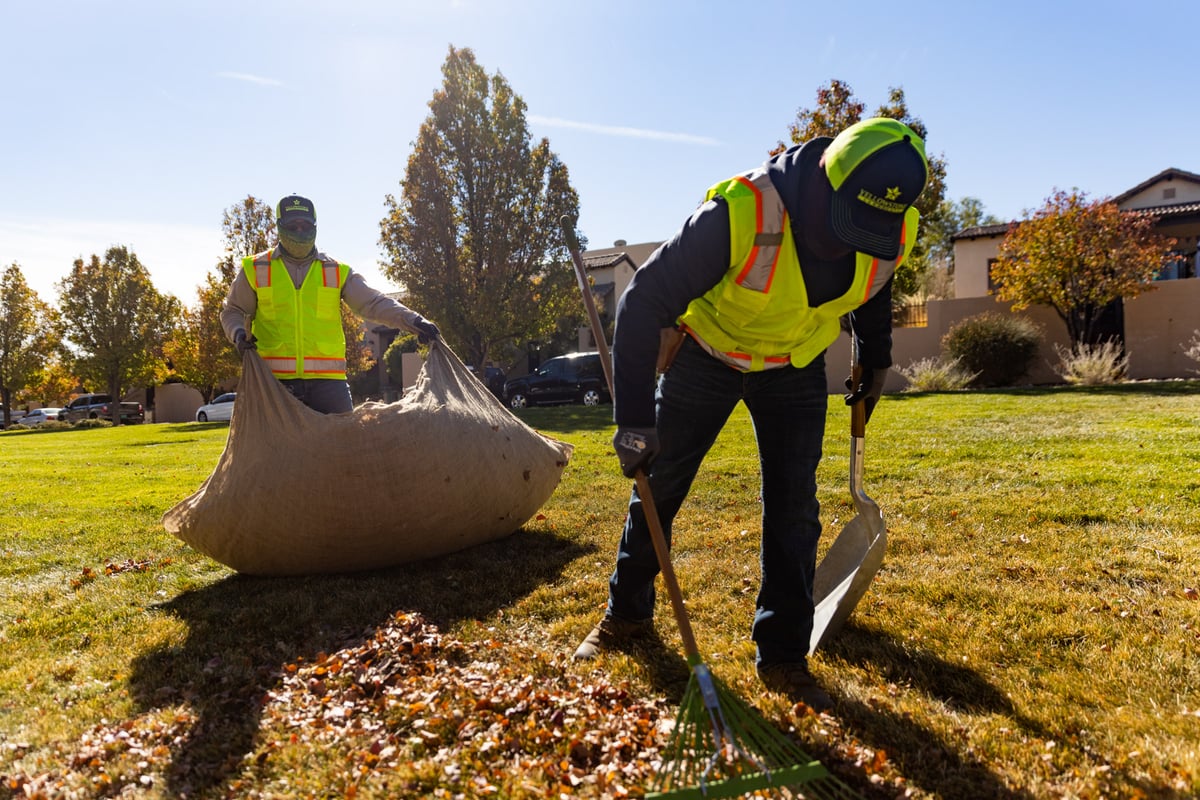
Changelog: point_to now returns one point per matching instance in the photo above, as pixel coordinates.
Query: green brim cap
(295, 207)
(877, 169)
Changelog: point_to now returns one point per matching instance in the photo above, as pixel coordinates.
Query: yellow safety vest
(299, 331)
(758, 316)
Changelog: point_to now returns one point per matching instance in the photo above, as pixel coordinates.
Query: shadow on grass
(243, 631)
(936, 766)
(567, 418)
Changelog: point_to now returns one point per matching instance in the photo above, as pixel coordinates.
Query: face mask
(298, 245)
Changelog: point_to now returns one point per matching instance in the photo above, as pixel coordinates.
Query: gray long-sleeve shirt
(242, 302)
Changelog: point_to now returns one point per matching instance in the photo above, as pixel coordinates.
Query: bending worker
(756, 280)
(293, 295)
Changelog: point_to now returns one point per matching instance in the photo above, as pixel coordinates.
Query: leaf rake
(720, 746)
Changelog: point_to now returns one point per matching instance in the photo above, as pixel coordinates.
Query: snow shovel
(850, 565)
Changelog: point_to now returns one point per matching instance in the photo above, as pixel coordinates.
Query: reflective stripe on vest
(770, 218)
(299, 330)
(757, 317)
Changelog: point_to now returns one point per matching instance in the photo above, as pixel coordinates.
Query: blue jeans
(321, 394)
(787, 407)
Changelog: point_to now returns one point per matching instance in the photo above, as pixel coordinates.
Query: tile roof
(1162, 212)
(602, 260)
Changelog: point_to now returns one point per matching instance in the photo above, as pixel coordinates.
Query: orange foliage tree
(1078, 256)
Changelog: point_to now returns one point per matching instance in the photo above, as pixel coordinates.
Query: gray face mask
(298, 245)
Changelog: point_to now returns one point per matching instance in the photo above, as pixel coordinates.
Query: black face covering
(298, 245)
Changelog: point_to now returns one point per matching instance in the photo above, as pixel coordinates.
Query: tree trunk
(114, 392)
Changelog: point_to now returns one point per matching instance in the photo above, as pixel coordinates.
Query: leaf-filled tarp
(299, 492)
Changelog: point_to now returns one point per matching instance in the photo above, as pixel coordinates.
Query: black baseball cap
(295, 207)
(877, 168)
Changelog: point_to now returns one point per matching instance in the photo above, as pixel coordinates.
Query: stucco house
(1155, 326)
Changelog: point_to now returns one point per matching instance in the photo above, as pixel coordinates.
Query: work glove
(426, 331)
(636, 448)
(243, 342)
(869, 388)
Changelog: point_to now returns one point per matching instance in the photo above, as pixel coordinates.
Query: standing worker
(287, 304)
(757, 280)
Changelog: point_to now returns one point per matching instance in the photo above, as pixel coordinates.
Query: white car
(38, 416)
(221, 408)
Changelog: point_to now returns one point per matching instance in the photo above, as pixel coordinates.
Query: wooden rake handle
(643, 485)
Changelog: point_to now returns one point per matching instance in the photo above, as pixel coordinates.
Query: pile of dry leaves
(410, 713)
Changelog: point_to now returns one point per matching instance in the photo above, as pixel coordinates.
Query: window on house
(1169, 194)
(992, 285)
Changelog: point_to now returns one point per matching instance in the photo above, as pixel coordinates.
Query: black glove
(426, 331)
(869, 388)
(243, 342)
(636, 448)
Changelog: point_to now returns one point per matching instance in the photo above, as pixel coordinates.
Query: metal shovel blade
(850, 565)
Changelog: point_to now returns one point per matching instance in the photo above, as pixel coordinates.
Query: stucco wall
(1158, 326)
(176, 402)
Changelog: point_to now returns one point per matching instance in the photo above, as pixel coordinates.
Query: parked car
(571, 378)
(221, 408)
(95, 406)
(38, 416)
(493, 379)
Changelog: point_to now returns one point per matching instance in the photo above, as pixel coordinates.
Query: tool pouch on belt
(669, 342)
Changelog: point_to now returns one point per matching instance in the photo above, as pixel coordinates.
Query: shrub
(936, 375)
(405, 343)
(84, 424)
(1193, 349)
(997, 347)
(1092, 364)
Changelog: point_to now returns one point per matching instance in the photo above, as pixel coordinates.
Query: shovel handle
(858, 411)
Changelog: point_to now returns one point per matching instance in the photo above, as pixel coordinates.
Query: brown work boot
(794, 680)
(611, 632)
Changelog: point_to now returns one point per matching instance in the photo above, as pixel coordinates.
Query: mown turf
(1034, 631)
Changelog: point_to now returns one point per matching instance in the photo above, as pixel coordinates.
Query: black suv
(573, 378)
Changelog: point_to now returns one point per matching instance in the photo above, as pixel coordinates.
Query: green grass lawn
(1034, 631)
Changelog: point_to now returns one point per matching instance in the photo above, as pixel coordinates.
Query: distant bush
(936, 375)
(1193, 350)
(92, 423)
(997, 347)
(1092, 365)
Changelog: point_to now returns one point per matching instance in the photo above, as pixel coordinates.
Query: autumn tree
(474, 236)
(199, 352)
(27, 337)
(1077, 257)
(837, 109)
(114, 322)
(52, 385)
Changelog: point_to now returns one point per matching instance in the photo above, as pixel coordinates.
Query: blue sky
(139, 123)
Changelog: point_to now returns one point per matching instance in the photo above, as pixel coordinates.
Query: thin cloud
(629, 133)
(248, 78)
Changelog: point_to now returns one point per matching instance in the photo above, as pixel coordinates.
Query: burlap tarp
(298, 492)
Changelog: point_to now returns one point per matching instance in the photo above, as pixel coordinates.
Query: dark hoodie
(695, 260)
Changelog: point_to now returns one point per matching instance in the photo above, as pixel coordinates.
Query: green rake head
(723, 748)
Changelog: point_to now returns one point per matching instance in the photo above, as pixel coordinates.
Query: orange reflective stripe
(871, 279)
(770, 219)
(329, 273)
(324, 366)
(262, 271)
(282, 366)
(752, 258)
